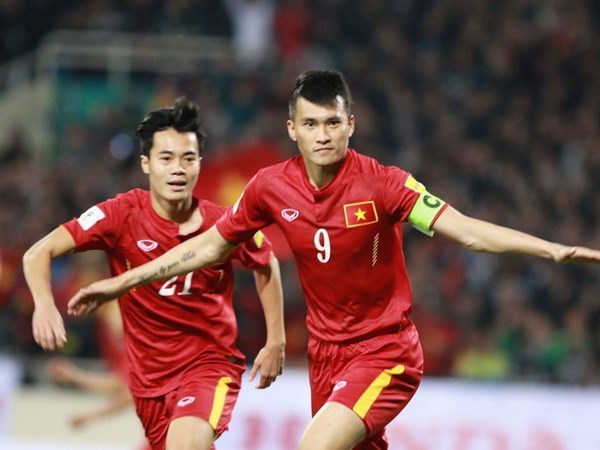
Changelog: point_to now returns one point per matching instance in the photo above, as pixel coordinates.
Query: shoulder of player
(370, 166)
(268, 176)
(135, 199)
(134, 196)
(282, 167)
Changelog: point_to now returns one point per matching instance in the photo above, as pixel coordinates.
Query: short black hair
(321, 87)
(183, 116)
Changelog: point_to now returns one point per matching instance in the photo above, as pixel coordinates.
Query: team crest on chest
(361, 213)
(290, 214)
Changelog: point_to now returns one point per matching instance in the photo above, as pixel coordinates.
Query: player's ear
(291, 130)
(144, 163)
(351, 125)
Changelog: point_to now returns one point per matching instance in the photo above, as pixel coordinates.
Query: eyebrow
(170, 152)
(324, 119)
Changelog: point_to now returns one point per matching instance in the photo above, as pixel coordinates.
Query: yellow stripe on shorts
(219, 401)
(366, 400)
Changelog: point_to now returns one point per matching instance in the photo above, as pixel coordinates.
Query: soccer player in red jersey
(184, 368)
(339, 211)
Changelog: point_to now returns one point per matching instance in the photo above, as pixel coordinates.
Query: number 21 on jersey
(172, 284)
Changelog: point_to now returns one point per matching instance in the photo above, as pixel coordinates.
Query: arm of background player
(47, 323)
(119, 401)
(63, 371)
(271, 357)
(200, 251)
(482, 236)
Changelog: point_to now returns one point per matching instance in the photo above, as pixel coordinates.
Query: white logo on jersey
(290, 214)
(147, 245)
(186, 401)
(339, 385)
(89, 218)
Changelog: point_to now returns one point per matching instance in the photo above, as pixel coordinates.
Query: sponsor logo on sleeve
(361, 213)
(90, 218)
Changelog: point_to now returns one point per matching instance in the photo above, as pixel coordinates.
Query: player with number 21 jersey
(192, 318)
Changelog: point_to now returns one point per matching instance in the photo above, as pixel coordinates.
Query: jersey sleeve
(255, 252)
(97, 228)
(247, 215)
(409, 200)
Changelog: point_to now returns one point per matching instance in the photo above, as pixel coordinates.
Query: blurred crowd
(493, 105)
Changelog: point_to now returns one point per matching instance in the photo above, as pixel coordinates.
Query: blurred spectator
(291, 24)
(201, 17)
(252, 22)
(481, 358)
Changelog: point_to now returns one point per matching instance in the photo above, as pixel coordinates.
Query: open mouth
(177, 185)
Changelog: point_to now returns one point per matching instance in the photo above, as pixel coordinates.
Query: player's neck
(184, 213)
(321, 176)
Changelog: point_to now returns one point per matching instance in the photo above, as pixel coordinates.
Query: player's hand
(88, 299)
(48, 327)
(80, 420)
(577, 254)
(270, 362)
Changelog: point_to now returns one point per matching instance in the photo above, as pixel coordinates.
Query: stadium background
(494, 105)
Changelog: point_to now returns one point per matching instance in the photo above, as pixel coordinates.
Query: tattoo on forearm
(147, 277)
(164, 270)
(187, 256)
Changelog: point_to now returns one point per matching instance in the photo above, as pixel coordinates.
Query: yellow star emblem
(360, 214)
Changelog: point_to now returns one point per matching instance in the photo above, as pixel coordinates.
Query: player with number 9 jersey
(347, 247)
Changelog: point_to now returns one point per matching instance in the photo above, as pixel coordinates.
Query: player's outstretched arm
(200, 251)
(482, 236)
(47, 324)
(271, 357)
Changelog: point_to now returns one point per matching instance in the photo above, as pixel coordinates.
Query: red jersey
(170, 326)
(347, 247)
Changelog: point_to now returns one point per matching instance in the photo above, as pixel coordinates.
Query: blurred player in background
(111, 382)
(338, 210)
(184, 370)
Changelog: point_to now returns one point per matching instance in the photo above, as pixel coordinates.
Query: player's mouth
(177, 186)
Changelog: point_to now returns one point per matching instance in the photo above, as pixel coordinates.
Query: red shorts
(209, 393)
(375, 377)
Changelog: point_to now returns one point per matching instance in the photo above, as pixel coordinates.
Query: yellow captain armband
(425, 211)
